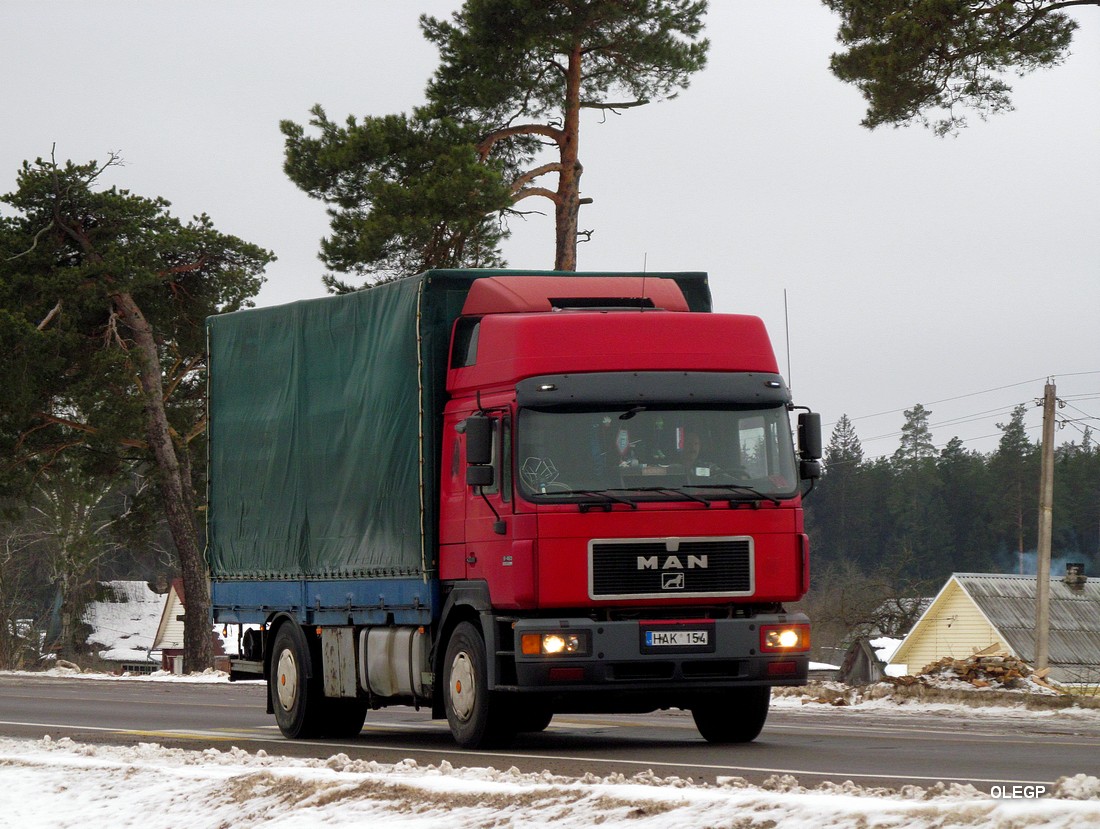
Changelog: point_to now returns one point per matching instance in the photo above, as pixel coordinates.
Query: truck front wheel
(735, 717)
(475, 722)
(295, 697)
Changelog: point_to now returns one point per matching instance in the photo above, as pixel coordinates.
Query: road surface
(814, 744)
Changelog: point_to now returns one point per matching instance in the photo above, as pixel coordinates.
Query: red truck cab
(620, 503)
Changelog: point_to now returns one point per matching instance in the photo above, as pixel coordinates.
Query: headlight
(558, 643)
(784, 638)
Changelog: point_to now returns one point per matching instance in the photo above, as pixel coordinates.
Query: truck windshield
(643, 453)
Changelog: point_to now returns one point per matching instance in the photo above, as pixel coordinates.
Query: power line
(957, 397)
(957, 421)
(976, 417)
(986, 391)
(1082, 411)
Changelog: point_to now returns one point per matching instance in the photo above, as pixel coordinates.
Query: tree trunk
(66, 647)
(568, 200)
(174, 485)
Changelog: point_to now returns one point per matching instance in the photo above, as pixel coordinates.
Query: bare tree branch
(623, 105)
(53, 420)
(34, 242)
(486, 145)
(536, 191)
(531, 175)
(49, 317)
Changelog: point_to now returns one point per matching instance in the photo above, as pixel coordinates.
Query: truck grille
(670, 567)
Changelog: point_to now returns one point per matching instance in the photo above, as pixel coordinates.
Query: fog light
(775, 638)
(554, 644)
(782, 638)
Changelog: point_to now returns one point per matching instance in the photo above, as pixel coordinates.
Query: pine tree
(965, 482)
(844, 450)
(916, 436)
(525, 69)
(503, 113)
(407, 194)
(926, 61)
(837, 513)
(1015, 466)
(102, 300)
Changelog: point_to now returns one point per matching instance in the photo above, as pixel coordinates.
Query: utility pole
(1046, 523)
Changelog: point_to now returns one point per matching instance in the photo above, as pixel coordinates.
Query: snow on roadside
(973, 704)
(208, 676)
(61, 783)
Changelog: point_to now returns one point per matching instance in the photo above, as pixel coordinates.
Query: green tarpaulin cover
(315, 437)
(323, 428)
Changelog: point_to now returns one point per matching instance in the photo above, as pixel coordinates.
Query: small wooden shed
(974, 611)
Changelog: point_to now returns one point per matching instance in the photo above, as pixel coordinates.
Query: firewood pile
(989, 668)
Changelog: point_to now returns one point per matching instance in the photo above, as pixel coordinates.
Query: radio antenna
(645, 267)
(787, 331)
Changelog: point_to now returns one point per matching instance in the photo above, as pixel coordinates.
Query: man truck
(505, 495)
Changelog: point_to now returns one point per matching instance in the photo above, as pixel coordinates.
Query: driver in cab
(696, 468)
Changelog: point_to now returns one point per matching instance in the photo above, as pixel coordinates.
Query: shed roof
(1008, 602)
(123, 621)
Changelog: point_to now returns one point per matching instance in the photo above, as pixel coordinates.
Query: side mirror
(479, 440)
(809, 437)
(479, 476)
(809, 470)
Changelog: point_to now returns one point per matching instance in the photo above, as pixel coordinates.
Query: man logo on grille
(672, 581)
(672, 563)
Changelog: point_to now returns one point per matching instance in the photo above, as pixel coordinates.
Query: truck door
(489, 517)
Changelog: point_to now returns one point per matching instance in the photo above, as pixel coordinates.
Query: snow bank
(60, 783)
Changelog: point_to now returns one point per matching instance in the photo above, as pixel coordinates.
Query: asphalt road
(871, 749)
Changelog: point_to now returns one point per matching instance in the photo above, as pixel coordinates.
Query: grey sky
(916, 269)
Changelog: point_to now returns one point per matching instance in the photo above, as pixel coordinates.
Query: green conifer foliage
(103, 295)
(930, 61)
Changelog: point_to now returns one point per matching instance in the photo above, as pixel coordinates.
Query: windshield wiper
(740, 488)
(673, 489)
(601, 493)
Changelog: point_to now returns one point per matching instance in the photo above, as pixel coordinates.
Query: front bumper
(620, 657)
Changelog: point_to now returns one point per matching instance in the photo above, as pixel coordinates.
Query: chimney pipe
(1075, 575)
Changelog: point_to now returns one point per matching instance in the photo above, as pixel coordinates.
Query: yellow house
(974, 611)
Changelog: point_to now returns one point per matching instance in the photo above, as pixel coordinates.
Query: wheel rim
(286, 687)
(463, 689)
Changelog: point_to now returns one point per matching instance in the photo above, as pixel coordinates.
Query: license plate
(677, 638)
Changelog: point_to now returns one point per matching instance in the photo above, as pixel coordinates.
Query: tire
(476, 720)
(735, 717)
(295, 697)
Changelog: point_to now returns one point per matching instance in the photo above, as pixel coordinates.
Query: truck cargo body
(507, 495)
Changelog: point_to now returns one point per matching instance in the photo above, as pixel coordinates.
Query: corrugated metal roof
(1008, 601)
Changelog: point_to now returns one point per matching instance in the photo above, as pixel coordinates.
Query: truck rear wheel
(734, 717)
(474, 720)
(295, 697)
